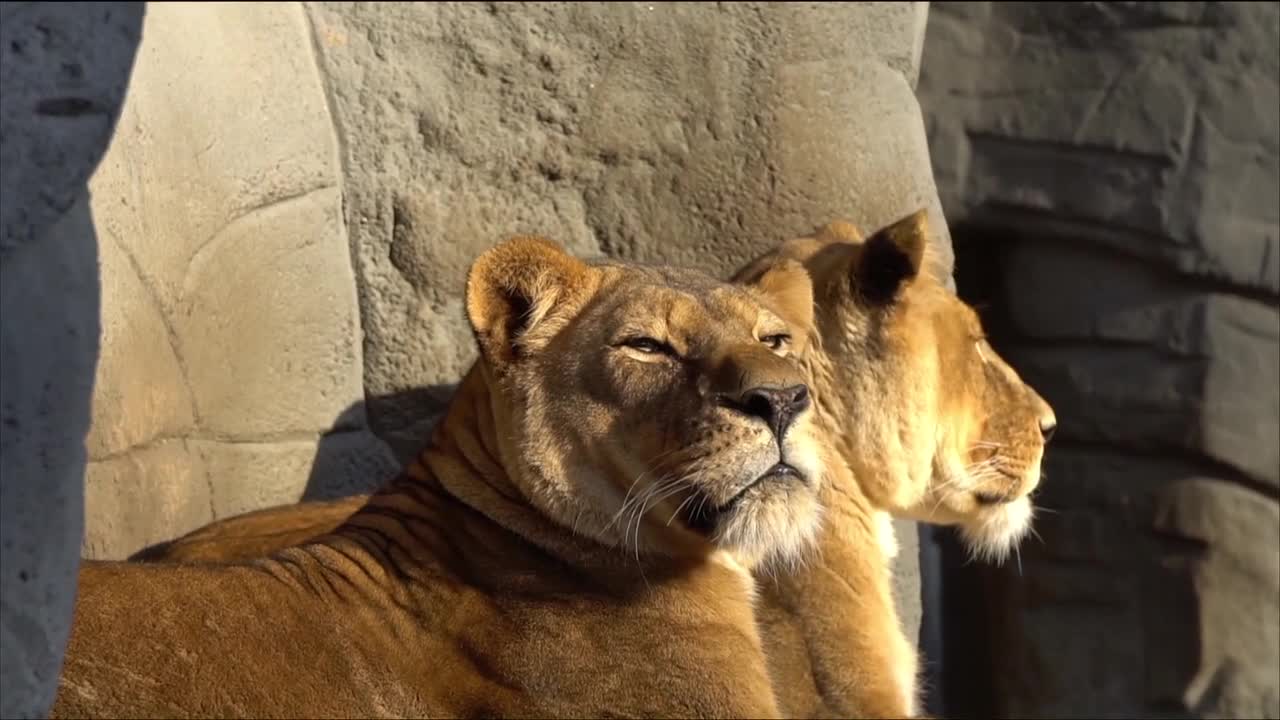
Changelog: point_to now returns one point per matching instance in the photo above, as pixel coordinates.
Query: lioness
(651, 409)
(934, 424)
(937, 424)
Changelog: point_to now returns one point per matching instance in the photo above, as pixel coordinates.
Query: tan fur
(255, 534)
(823, 657)
(926, 415)
(528, 564)
(935, 424)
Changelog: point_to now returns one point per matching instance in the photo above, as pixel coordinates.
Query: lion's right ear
(890, 259)
(516, 292)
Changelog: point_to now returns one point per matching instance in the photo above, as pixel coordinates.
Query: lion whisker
(629, 501)
(651, 498)
(655, 464)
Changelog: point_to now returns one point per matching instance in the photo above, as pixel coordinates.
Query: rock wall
(1112, 178)
(230, 332)
(294, 191)
(693, 133)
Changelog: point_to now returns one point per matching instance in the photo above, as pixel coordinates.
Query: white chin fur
(996, 532)
(885, 535)
(773, 531)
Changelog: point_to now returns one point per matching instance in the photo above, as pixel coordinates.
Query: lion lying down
(897, 354)
(573, 542)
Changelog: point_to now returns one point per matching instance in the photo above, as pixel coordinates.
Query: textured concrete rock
(139, 395)
(144, 495)
(337, 465)
(63, 70)
(682, 132)
(1115, 168)
(692, 133)
(155, 492)
(231, 327)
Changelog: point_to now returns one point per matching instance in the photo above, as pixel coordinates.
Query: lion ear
(516, 295)
(789, 289)
(890, 259)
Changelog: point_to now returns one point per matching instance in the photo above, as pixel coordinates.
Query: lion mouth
(704, 516)
(990, 499)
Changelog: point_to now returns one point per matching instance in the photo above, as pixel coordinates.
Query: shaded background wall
(1110, 172)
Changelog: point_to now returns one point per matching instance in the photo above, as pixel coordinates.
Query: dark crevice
(994, 225)
(69, 107)
(1196, 463)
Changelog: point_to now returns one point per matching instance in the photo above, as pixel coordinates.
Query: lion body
(450, 616)
(525, 564)
(255, 534)
(832, 640)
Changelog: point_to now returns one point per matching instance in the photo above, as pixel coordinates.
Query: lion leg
(841, 605)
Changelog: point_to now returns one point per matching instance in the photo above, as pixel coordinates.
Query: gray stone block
(1155, 591)
(63, 73)
(1135, 356)
(1153, 132)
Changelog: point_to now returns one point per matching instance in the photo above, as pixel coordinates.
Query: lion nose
(778, 407)
(1047, 426)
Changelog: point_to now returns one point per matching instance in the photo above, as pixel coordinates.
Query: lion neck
(466, 461)
(858, 413)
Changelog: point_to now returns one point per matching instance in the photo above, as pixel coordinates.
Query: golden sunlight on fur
(573, 542)
(898, 355)
(935, 424)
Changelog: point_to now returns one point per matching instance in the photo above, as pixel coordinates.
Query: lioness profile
(935, 424)
(573, 541)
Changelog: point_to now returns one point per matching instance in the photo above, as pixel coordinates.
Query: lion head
(934, 423)
(654, 408)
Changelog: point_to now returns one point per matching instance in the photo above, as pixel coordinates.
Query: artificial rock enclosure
(234, 237)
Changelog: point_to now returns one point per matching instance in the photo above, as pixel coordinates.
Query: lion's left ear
(789, 290)
(890, 259)
(518, 296)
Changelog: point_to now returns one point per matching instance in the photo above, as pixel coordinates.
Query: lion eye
(647, 345)
(775, 342)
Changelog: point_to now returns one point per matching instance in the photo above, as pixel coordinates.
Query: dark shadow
(966, 689)
(64, 70)
(371, 441)
(365, 448)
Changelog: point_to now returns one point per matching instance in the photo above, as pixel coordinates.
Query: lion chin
(992, 536)
(772, 529)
